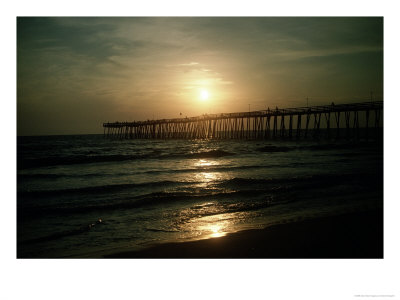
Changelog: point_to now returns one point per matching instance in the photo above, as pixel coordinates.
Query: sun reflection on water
(214, 226)
(204, 175)
(204, 163)
(217, 230)
(209, 219)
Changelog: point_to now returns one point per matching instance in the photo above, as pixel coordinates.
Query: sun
(204, 95)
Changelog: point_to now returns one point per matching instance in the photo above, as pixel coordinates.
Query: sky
(75, 73)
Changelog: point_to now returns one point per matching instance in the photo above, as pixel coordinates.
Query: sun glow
(204, 95)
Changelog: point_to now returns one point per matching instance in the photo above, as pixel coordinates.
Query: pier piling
(256, 124)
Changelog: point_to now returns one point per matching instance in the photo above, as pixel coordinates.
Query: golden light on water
(214, 226)
(204, 175)
(204, 163)
(209, 176)
(210, 220)
(206, 221)
(217, 230)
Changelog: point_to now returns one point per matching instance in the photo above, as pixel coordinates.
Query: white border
(197, 279)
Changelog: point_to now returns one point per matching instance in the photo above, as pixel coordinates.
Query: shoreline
(352, 235)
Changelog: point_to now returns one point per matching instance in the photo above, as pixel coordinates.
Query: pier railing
(263, 124)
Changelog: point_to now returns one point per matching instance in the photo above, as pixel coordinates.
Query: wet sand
(356, 235)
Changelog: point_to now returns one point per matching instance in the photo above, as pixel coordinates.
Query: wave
(99, 189)
(151, 199)
(220, 207)
(205, 210)
(269, 148)
(151, 172)
(28, 163)
(205, 169)
(344, 145)
(241, 183)
(319, 147)
(208, 154)
(39, 176)
(235, 190)
(235, 184)
(63, 234)
(312, 179)
(58, 175)
(160, 230)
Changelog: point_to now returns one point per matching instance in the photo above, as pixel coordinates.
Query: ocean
(84, 196)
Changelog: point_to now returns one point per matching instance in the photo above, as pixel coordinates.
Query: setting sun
(204, 95)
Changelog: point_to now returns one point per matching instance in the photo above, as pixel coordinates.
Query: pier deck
(263, 124)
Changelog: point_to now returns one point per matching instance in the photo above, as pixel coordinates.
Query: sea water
(86, 196)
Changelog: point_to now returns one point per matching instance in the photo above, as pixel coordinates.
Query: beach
(356, 235)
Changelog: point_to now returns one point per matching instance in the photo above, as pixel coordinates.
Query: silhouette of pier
(342, 120)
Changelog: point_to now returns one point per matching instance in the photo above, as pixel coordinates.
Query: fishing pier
(353, 120)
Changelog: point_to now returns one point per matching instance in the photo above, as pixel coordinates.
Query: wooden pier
(342, 120)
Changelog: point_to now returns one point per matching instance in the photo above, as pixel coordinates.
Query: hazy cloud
(75, 73)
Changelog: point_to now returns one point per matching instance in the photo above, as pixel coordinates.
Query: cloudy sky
(73, 74)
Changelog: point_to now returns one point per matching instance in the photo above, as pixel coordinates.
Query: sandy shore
(357, 235)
